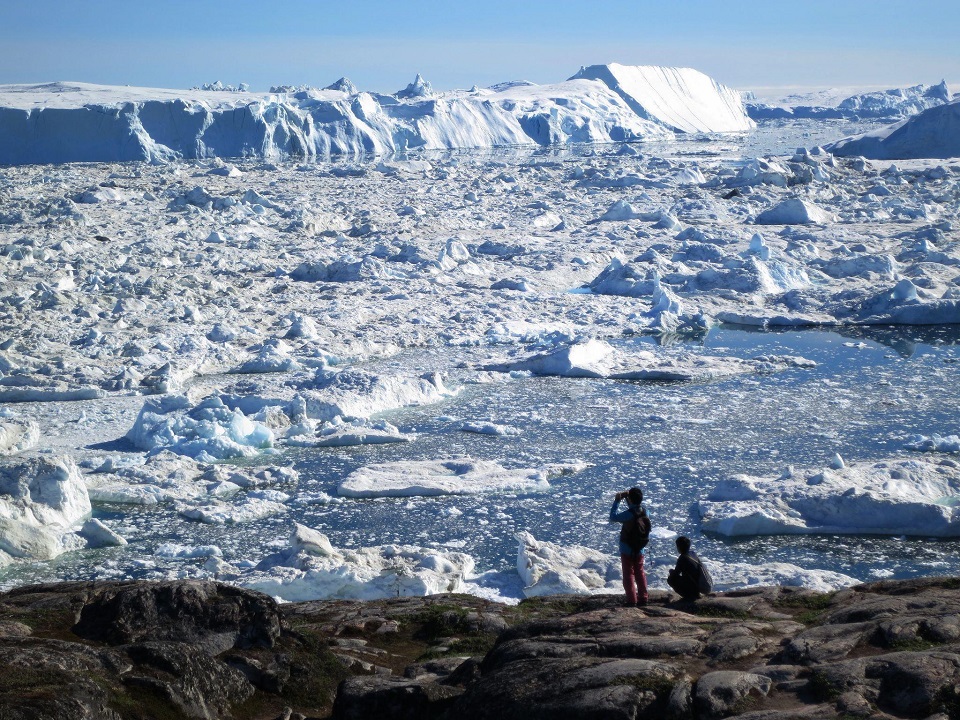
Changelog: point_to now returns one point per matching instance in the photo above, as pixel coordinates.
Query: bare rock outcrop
(193, 649)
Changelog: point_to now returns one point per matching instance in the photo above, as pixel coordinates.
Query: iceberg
(895, 497)
(41, 501)
(888, 103)
(81, 122)
(680, 99)
(934, 133)
(206, 432)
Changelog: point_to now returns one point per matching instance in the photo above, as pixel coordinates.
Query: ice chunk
(338, 433)
(210, 430)
(462, 476)
(41, 499)
(550, 569)
(17, 436)
(313, 569)
(934, 443)
(620, 279)
(99, 535)
(794, 211)
(583, 359)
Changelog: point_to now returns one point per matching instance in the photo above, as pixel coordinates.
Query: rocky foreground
(208, 650)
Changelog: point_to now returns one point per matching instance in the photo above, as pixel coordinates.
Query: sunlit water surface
(871, 390)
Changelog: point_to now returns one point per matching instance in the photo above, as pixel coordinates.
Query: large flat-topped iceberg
(80, 122)
(681, 99)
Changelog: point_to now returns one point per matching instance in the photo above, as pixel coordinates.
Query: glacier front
(80, 122)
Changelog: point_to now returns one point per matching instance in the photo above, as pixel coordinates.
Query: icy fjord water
(872, 389)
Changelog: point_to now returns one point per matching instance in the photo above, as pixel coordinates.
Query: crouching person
(690, 578)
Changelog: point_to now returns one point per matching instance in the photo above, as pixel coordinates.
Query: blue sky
(382, 44)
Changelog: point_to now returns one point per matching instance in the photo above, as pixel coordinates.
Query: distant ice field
(872, 389)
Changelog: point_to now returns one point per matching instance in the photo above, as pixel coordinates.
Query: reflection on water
(770, 137)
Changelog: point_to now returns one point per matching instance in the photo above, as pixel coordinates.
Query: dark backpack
(704, 581)
(636, 531)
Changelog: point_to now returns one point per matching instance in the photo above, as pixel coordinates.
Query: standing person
(689, 578)
(634, 536)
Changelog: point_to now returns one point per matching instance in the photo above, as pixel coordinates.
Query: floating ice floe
(42, 501)
(460, 476)
(354, 393)
(934, 443)
(341, 433)
(167, 477)
(894, 497)
(256, 505)
(313, 569)
(206, 431)
(599, 359)
(489, 428)
(175, 551)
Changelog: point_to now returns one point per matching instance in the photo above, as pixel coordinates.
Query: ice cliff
(80, 122)
(680, 99)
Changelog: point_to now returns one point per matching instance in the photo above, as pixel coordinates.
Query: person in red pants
(634, 535)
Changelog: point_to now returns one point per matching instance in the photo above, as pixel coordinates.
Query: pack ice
(70, 122)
